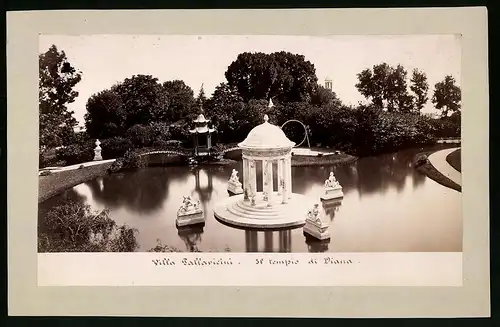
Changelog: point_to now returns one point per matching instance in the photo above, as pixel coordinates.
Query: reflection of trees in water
(143, 191)
(191, 235)
(284, 240)
(379, 173)
(367, 175)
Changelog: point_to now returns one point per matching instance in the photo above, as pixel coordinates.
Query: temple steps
(238, 212)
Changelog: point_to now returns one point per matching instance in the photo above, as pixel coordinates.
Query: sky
(105, 60)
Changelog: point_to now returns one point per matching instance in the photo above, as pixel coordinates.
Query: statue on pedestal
(234, 185)
(314, 226)
(333, 189)
(97, 151)
(190, 212)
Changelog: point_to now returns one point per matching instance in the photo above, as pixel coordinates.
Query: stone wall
(57, 182)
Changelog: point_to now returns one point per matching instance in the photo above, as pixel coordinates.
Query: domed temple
(273, 206)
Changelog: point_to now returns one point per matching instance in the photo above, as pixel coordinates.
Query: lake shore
(59, 181)
(430, 171)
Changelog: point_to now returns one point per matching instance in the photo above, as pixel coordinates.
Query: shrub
(115, 147)
(133, 160)
(76, 153)
(160, 247)
(74, 227)
(422, 160)
(116, 166)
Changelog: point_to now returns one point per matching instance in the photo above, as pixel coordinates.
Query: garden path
(438, 160)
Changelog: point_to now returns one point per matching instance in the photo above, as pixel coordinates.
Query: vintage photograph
(249, 143)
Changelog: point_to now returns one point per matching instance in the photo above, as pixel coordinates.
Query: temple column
(264, 175)
(284, 175)
(289, 176)
(269, 181)
(252, 178)
(280, 176)
(245, 178)
(271, 176)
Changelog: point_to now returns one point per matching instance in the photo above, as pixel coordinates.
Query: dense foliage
(56, 81)
(141, 112)
(74, 227)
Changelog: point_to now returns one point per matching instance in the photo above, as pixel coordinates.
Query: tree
(143, 99)
(386, 87)
(283, 76)
(419, 87)
(201, 98)
(106, 116)
(447, 96)
(57, 78)
(181, 99)
(323, 96)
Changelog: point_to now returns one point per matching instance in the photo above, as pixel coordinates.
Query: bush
(74, 227)
(116, 166)
(422, 160)
(115, 147)
(133, 160)
(76, 153)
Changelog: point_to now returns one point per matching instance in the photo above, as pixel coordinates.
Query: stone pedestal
(315, 226)
(97, 151)
(234, 187)
(332, 193)
(190, 213)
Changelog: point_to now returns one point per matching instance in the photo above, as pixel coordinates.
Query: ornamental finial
(266, 118)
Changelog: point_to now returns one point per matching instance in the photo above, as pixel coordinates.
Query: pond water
(387, 207)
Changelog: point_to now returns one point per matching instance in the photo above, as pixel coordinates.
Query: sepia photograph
(292, 167)
(250, 143)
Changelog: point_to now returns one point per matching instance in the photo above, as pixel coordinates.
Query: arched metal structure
(306, 136)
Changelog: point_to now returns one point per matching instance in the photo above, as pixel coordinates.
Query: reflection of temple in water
(283, 238)
(204, 192)
(191, 235)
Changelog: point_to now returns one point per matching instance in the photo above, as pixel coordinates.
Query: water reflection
(331, 207)
(191, 235)
(315, 245)
(263, 241)
(387, 206)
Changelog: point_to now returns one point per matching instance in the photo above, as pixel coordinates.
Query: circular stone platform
(237, 212)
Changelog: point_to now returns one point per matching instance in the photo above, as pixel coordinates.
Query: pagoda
(202, 135)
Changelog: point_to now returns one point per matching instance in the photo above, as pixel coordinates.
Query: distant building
(328, 83)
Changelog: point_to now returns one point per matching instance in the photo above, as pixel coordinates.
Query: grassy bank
(57, 182)
(426, 168)
(455, 160)
(331, 159)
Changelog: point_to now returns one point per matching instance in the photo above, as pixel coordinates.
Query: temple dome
(266, 136)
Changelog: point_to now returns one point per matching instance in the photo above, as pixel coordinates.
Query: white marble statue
(331, 182)
(234, 176)
(313, 214)
(333, 189)
(234, 185)
(190, 212)
(97, 151)
(314, 226)
(189, 204)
